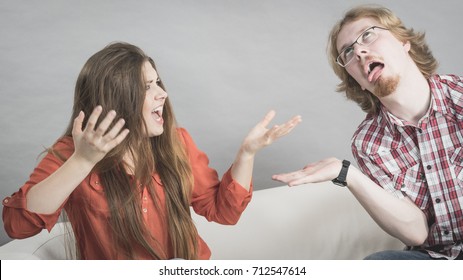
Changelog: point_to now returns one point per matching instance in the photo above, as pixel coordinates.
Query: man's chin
(386, 86)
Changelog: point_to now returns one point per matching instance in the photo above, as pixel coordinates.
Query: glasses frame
(339, 59)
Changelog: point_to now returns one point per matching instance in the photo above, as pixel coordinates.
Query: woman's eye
(158, 82)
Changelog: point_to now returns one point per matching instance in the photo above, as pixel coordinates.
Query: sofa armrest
(45, 245)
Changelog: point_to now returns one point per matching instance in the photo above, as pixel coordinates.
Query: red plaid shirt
(423, 162)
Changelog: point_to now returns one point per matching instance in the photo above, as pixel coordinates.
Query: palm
(260, 136)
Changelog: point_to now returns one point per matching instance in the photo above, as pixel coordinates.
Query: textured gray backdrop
(225, 64)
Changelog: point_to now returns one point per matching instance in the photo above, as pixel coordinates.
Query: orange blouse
(220, 201)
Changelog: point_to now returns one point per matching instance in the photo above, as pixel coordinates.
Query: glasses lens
(365, 39)
(345, 57)
(368, 37)
(340, 61)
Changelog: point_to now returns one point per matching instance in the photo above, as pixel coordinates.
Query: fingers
(260, 136)
(115, 130)
(281, 130)
(115, 136)
(78, 121)
(93, 118)
(102, 129)
(268, 118)
(321, 171)
(289, 125)
(290, 183)
(293, 178)
(105, 123)
(93, 142)
(101, 136)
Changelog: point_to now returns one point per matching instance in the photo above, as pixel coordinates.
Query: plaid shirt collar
(438, 104)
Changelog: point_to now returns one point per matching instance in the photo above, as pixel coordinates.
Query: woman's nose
(161, 94)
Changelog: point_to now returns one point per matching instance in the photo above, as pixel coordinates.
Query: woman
(126, 176)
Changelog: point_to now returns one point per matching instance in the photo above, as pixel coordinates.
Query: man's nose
(360, 51)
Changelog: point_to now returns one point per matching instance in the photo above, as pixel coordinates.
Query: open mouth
(374, 65)
(374, 70)
(157, 112)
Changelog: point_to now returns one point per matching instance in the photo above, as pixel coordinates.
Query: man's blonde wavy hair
(419, 51)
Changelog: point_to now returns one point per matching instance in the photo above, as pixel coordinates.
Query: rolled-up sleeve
(222, 201)
(18, 221)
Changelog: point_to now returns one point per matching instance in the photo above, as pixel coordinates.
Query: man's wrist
(341, 180)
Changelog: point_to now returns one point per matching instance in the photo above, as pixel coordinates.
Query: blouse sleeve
(18, 221)
(221, 201)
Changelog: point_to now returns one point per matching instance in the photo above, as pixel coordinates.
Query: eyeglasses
(365, 39)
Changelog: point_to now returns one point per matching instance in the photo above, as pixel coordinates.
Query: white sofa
(309, 222)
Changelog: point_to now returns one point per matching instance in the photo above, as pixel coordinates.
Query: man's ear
(407, 46)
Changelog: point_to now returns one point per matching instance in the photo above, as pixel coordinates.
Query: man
(410, 143)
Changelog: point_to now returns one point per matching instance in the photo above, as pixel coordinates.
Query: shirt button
(420, 130)
(145, 198)
(145, 210)
(446, 232)
(6, 200)
(403, 187)
(437, 200)
(428, 167)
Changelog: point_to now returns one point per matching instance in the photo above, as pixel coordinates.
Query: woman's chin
(156, 132)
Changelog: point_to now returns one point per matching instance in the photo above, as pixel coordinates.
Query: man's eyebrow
(343, 47)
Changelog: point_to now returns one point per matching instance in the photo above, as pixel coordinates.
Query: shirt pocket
(456, 159)
(95, 183)
(412, 184)
(90, 197)
(405, 173)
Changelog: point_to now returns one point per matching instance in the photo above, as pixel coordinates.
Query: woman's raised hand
(261, 136)
(93, 143)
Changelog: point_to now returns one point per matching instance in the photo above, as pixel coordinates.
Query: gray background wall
(225, 64)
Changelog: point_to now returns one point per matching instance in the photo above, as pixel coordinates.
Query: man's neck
(411, 100)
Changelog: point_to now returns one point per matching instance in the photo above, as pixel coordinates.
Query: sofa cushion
(312, 222)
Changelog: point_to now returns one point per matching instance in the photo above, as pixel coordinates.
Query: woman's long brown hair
(113, 78)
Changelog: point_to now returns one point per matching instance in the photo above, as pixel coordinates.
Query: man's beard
(386, 86)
